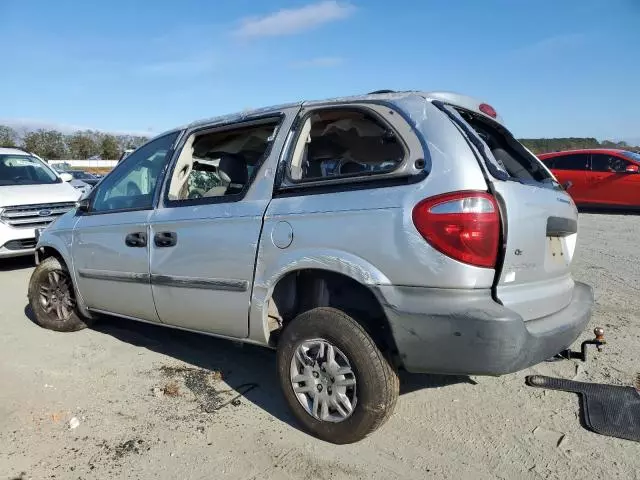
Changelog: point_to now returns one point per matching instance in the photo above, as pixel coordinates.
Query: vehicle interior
(512, 156)
(19, 170)
(220, 163)
(341, 143)
(135, 190)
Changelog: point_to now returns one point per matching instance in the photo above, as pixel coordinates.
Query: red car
(599, 177)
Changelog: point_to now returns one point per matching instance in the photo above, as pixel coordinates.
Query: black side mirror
(82, 205)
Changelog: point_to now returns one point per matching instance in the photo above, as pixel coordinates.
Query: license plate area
(556, 255)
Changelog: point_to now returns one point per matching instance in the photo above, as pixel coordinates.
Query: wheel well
(46, 252)
(303, 290)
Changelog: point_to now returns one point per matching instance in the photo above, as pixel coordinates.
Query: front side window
(578, 161)
(341, 142)
(132, 184)
(221, 163)
(25, 170)
(607, 163)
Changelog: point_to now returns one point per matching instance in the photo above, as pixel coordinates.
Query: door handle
(165, 239)
(137, 239)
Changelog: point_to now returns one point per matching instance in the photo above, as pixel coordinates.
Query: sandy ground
(150, 402)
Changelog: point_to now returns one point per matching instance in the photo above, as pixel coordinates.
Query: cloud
(552, 44)
(294, 20)
(29, 125)
(319, 62)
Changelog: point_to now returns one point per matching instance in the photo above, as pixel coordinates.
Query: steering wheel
(133, 190)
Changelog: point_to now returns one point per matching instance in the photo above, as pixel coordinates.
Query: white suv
(32, 195)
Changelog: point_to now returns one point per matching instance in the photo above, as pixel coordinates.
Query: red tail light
(488, 110)
(463, 225)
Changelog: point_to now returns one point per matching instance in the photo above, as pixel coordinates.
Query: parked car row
(83, 181)
(356, 237)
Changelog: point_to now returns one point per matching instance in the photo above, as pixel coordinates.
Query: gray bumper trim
(467, 332)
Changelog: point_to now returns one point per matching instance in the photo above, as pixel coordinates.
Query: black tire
(377, 384)
(72, 320)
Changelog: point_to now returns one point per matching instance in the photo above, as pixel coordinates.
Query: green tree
(48, 144)
(543, 145)
(8, 136)
(130, 141)
(82, 145)
(110, 149)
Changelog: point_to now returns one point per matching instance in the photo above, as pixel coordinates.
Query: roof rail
(381, 91)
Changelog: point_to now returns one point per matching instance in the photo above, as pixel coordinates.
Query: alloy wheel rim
(56, 295)
(323, 381)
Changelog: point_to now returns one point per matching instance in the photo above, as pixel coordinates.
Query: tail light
(463, 225)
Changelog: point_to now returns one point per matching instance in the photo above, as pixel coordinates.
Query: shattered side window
(345, 143)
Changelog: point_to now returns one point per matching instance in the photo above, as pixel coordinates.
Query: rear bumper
(467, 332)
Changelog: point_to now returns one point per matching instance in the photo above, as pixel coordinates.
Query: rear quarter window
(508, 152)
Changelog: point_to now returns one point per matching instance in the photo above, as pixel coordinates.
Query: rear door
(539, 222)
(572, 168)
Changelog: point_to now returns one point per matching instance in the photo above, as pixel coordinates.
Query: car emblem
(518, 252)
(44, 213)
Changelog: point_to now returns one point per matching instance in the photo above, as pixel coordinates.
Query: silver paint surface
(366, 234)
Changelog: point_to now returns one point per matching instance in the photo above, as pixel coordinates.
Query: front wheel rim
(55, 296)
(323, 381)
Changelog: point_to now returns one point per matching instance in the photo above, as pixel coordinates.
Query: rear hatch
(539, 219)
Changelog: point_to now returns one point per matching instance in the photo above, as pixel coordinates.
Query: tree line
(80, 145)
(54, 145)
(544, 145)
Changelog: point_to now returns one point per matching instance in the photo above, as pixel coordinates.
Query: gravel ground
(148, 402)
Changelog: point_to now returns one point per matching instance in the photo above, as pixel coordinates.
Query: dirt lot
(148, 402)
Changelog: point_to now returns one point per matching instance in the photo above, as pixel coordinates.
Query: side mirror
(82, 205)
(632, 169)
(66, 177)
(567, 185)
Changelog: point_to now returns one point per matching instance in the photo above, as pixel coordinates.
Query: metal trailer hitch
(599, 342)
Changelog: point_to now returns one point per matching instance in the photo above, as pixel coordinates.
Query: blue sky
(550, 67)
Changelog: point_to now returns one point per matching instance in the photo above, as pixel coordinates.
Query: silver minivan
(356, 236)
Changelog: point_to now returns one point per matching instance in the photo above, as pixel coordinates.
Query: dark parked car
(86, 177)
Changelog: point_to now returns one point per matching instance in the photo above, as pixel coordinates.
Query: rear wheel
(337, 382)
(52, 298)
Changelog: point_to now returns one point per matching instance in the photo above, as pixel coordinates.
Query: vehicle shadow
(609, 211)
(249, 370)
(17, 263)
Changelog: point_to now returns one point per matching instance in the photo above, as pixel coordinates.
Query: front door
(204, 236)
(111, 241)
(610, 183)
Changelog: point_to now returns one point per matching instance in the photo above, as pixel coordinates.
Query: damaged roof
(386, 95)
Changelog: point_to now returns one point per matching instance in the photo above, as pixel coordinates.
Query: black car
(84, 176)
